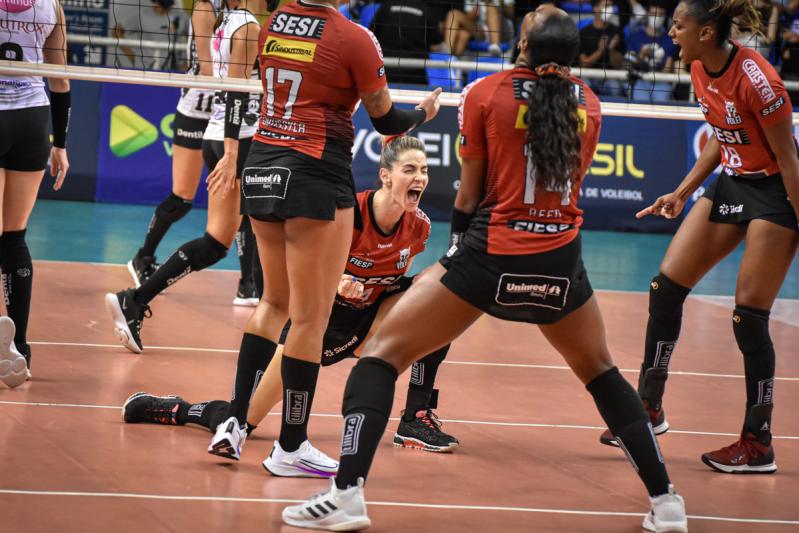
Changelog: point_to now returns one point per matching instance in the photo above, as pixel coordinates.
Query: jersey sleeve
(764, 92)
(470, 121)
(593, 128)
(366, 59)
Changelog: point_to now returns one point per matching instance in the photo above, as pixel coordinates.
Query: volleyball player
(389, 231)
(744, 101)
(298, 190)
(191, 119)
(516, 255)
(24, 151)
(226, 141)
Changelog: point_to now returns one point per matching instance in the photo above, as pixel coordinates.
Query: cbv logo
(131, 133)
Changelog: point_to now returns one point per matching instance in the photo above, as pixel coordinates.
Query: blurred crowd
(629, 37)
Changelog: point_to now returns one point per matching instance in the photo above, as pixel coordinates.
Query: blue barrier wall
(121, 142)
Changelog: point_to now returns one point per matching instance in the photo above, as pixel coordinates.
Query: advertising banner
(135, 151)
(636, 161)
(86, 17)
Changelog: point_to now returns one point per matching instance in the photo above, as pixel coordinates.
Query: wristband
(460, 223)
(234, 110)
(60, 109)
(398, 121)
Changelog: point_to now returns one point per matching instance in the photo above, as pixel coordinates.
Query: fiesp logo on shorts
(131, 133)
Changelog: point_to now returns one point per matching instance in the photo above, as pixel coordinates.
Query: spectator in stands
(146, 20)
(790, 45)
(406, 29)
(602, 47)
(769, 16)
(650, 49)
(479, 19)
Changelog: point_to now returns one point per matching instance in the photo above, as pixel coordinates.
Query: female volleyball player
(517, 258)
(297, 189)
(746, 105)
(191, 119)
(24, 151)
(389, 231)
(225, 143)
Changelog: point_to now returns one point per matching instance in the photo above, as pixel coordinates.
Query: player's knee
(173, 208)
(370, 386)
(666, 298)
(14, 249)
(751, 329)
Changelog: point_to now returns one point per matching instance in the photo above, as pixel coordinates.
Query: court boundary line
(452, 507)
(621, 291)
(535, 425)
(446, 361)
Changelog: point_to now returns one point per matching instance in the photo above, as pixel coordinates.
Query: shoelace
(750, 449)
(316, 453)
(431, 420)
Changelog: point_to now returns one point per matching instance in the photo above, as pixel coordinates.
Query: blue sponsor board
(135, 144)
(636, 161)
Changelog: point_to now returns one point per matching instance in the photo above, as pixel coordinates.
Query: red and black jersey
(314, 63)
(518, 216)
(745, 97)
(379, 260)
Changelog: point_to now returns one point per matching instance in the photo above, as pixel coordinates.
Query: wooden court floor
(529, 459)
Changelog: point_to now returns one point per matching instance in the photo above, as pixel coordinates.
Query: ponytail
(553, 141)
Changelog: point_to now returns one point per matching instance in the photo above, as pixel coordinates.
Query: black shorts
(279, 183)
(188, 132)
(24, 138)
(214, 150)
(738, 200)
(537, 288)
(349, 326)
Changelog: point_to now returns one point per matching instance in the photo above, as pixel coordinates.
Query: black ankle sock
(191, 257)
(172, 209)
(299, 385)
(254, 356)
(17, 268)
(666, 300)
(368, 398)
(245, 247)
(624, 414)
(423, 379)
(206, 414)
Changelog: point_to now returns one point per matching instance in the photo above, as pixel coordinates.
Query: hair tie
(389, 138)
(552, 69)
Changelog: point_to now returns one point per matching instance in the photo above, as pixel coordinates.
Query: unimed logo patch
(265, 182)
(352, 433)
(536, 290)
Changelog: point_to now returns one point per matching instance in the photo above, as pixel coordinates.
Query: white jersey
(196, 103)
(220, 53)
(24, 27)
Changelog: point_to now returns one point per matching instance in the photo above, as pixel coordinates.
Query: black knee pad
(751, 329)
(370, 386)
(15, 258)
(202, 253)
(173, 208)
(616, 400)
(666, 298)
